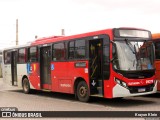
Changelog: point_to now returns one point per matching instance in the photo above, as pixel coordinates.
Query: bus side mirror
(112, 60)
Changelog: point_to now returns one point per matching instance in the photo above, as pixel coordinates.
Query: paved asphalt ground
(48, 101)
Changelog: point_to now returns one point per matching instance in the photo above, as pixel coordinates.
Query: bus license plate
(141, 90)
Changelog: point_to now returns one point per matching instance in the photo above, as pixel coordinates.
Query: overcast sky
(47, 17)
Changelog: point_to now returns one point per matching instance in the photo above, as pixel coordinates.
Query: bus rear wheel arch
(82, 91)
(26, 85)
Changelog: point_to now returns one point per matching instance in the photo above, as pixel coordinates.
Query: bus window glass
(71, 50)
(33, 54)
(157, 50)
(22, 55)
(80, 49)
(58, 52)
(7, 57)
(137, 55)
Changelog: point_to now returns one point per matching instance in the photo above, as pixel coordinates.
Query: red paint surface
(34, 75)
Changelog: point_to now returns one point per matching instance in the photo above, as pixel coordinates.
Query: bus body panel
(109, 84)
(140, 84)
(108, 88)
(34, 75)
(65, 73)
(7, 74)
(112, 89)
(117, 91)
(60, 81)
(21, 71)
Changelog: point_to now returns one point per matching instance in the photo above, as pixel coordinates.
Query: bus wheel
(26, 87)
(82, 91)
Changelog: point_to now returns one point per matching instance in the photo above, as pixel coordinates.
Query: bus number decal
(29, 68)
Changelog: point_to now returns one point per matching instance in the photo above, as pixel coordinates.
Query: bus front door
(14, 67)
(95, 67)
(45, 71)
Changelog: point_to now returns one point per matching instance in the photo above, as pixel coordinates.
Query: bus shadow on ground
(115, 102)
(121, 102)
(155, 95)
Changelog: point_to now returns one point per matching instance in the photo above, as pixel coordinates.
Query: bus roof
(94, 33)
(156, 36)
(18, 46)
(59, 38)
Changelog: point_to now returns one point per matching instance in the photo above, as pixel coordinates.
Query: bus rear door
(45, 71)
(14, 67)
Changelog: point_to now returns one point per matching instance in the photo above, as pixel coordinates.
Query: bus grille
(135, 89)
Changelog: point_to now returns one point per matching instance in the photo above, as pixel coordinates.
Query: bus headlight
(118, 81)
(124, 84)
(121, 83)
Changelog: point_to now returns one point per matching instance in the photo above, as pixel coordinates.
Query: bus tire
(26, 86)
(82, 91)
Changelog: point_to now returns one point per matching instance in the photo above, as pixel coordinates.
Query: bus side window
(80, 49)
(33, 54)
(22, 55)
(71, 48)
(7, 57)
(58, 52)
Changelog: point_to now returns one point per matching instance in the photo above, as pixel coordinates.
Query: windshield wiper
(136, 56)
(134, 52)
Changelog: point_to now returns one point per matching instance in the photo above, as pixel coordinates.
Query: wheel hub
(83, 91)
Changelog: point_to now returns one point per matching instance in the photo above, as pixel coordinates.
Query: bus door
(45, 71)
(95, 67)
(14, 67)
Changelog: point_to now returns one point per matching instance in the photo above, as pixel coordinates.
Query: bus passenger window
(58, 52)
(80, 49)
(7, 57)
(71, 50)
(33, 54)
(22, 55)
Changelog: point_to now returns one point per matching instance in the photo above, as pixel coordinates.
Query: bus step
(45, 90)
(99, 82)
(99, 89)
(97, 95)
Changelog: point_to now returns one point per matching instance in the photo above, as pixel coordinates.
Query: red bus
(108, 63)
(156, 40)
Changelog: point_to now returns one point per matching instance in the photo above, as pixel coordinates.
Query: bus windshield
(134, 55)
